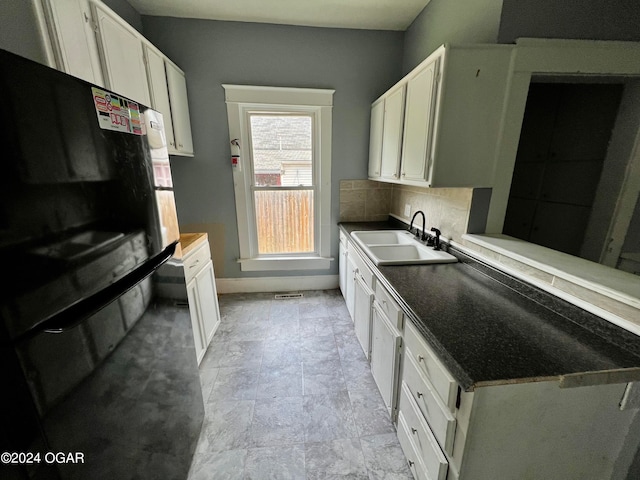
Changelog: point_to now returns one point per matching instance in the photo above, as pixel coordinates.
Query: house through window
(283, 186)
(283, 180)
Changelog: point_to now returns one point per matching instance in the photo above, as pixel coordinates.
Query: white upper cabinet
(392, 133)
(159, 92)
(375, 140)
(449, 120)
(122, 55)
(179, 109)
(72, 38)
(418, 123)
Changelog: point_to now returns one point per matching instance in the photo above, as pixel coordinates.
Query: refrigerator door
(95, 366)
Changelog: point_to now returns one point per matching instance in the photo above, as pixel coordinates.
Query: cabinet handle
(411, 464)
(419, 394)
(180, 145)
(413, 430)
(420, 358)
(196, 263)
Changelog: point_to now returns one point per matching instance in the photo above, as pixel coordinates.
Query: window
(282, 181)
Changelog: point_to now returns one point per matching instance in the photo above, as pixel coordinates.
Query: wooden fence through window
(284, 221)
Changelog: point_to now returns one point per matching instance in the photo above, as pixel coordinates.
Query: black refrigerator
(99, 374)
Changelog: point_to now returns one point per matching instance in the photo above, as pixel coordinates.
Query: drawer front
(389, 306)
(439, 418)
(343, 238)
(196, 261)
(413, 458)
(434, 461)
(429, 365)
(363, 270)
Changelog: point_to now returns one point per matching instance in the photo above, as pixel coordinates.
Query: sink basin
(398, 247)
(78, 245)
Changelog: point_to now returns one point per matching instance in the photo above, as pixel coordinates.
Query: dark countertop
(489, 328)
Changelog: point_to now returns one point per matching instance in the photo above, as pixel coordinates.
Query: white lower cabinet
(362, 313)
(532, 430)
(202, 297)
(350, 297)
(385, 356)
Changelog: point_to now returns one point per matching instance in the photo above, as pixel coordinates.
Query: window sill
(267, 264)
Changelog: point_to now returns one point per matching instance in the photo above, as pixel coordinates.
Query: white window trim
(243, 98)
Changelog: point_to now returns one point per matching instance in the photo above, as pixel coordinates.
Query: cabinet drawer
(389, 306)
(195, 261)
(429, 365)
(343, 238)
(364, 271)
(413, 457)
(439, 418)
(425, 443)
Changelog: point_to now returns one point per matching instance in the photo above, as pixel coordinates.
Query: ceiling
(360, 14)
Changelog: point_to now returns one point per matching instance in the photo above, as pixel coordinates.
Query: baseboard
(276, 284)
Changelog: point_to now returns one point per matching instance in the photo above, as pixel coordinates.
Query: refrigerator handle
(83, 309)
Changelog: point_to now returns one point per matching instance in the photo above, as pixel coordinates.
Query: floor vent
(287, 296)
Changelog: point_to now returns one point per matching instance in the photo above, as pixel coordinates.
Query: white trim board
(276, 284)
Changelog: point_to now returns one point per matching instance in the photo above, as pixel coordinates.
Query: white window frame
(243, 99)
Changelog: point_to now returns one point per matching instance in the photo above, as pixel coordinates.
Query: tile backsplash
(445, 208)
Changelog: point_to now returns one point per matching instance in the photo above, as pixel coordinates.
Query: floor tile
(281, 463)
(370, 413)
(226, 426)
(328, 417)
(323, 377)
(337, 459)
(235, 384)
(384, 458)
(280, 352)
(227, 465)
(233, 354)
(277, 421)
(280, 381)
(289, 394)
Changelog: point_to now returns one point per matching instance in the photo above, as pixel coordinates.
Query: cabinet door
(179, 109)
(207, 302)
(159, 91)
(375, 138)
(350, 284)
(362, 313)
(196, 321)
(392, 133)
(73, 39)
(385, 357)
(343, 269)
(122, 56)
(419, 123)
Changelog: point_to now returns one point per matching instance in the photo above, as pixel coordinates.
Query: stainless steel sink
(79, 245)
(398, 247)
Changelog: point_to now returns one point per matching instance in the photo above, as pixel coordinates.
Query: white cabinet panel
(375, 138)
(179, 109)
(159, 90)
(122, 56)
(73, 40)
(362, 317)
(392, 133)
(418, 123)
(385, 357)
(342, 264)
(196, 319)
(208, 301)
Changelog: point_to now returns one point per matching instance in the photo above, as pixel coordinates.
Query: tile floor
(289, 395)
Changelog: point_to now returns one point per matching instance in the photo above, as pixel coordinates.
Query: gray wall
(447, 21)
(126, 11)
(359, 64)
(577, 19)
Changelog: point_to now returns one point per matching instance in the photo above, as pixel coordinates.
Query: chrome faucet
(424, 235)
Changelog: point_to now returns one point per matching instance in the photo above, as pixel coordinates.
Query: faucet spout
(423, 224)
